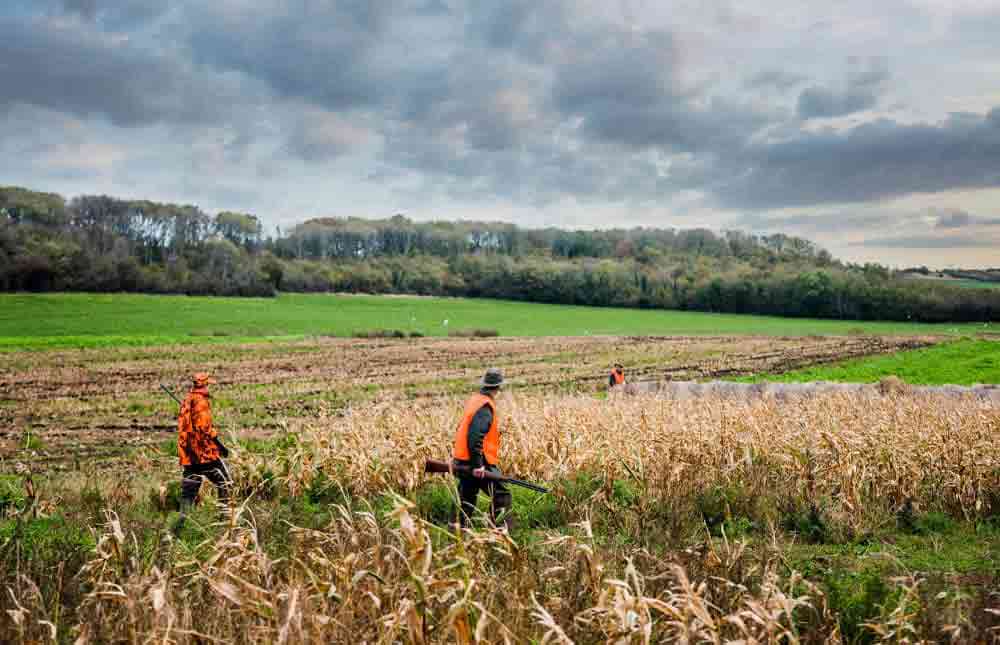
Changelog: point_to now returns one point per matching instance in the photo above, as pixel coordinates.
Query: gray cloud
(861, 93)
(80, 71)
(321, 136)
(928, 242)
(872, 161)
(622, 86)
(114, 14)
(323, 52)
(532, 30)
(821, 223)
(819, 102)
(955, 219)
(86, 8)
(777, 79)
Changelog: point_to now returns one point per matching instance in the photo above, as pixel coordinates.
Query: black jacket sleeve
(480, 425)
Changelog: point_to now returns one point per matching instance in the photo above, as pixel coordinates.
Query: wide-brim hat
(492, 378)
(202, 378)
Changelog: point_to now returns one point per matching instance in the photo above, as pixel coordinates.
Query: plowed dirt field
(63, 408)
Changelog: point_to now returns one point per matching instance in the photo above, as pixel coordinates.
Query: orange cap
(202, 379)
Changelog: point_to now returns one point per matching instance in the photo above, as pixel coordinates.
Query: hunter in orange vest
(617, 376)
(477, 446)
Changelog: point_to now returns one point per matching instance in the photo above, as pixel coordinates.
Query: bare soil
(66, 408)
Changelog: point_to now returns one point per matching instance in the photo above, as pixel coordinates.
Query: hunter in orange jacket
(617, 376)
(195, 434)
(199, 449)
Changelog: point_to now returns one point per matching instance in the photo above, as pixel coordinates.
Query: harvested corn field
(831, 519)
(698, 511)
(94, 403)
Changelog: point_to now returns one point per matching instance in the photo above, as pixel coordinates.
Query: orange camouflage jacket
(195, 433)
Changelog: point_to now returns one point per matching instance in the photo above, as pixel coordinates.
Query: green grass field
(977, 284)
(961, 282)
(963, 362)
(92, 320)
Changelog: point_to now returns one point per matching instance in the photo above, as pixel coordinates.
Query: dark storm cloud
(868, 162)
(88, 73)
(622, 84)
(323, 52)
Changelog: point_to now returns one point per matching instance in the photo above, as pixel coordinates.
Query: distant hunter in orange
(199, 448)
(617, 376)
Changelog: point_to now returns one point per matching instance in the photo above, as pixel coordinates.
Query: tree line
(104, 244)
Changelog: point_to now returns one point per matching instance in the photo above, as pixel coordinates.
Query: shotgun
(170, 394)
(435, 466)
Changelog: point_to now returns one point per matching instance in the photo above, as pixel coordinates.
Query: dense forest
(99, 243)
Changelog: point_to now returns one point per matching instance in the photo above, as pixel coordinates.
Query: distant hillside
(99, 243)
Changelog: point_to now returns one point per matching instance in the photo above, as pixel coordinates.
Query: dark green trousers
(500, 497)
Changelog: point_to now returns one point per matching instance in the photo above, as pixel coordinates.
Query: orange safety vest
(491, 443)
(618, 376)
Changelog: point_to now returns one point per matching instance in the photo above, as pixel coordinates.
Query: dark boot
(186, 505)
(503, 510)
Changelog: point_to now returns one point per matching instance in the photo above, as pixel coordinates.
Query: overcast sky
(872, 128)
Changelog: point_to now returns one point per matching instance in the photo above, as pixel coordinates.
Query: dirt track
(91, 404)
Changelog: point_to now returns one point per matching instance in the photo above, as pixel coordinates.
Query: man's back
(195, 434)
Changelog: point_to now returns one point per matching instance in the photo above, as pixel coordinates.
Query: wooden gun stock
(435, 466)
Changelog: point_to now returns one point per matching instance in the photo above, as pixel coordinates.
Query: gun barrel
(524, 484)
(170, 394)
(435, 466)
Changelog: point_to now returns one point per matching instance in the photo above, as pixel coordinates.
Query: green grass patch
(53, 321)
(48, 539)
(965, 283)
(963, 362)
(32, 442)
(11, 494)
(856, 577)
